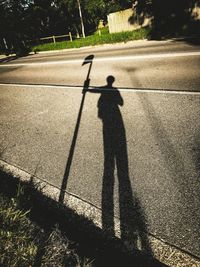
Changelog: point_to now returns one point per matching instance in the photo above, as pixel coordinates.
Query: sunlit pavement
(160, 115)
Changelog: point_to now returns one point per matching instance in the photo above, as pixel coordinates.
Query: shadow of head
(110, 80)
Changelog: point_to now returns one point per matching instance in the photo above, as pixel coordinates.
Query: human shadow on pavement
(132, 220)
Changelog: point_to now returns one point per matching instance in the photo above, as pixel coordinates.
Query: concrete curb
(132, 43)
(163, 252)
(129, 43)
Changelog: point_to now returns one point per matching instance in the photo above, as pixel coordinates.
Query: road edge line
(142, 57)
(120, 89)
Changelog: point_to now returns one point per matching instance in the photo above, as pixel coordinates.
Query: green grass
(23, 243)
(18, 237)
(103, 31)
(95, 39)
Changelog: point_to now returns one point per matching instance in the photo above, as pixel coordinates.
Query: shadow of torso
(113, 126)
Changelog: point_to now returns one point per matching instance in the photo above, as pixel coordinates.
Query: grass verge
(24, 243)
(18, 237)
(39, 231)
(95, 39)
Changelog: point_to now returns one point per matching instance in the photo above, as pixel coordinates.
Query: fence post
(5, 43)
(70, 36)
(54, 39)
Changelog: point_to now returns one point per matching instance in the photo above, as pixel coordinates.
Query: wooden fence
(56, 37)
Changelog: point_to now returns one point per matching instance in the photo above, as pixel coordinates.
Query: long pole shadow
(41, 251)
(87, 60)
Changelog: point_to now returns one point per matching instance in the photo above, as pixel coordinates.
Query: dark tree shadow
(8, 58)
(132, 219)
(169, 17)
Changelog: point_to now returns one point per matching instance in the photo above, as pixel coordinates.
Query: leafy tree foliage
(32, 19)
(168, 16)
(23, 20)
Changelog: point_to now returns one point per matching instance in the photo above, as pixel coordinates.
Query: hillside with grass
(96, 39)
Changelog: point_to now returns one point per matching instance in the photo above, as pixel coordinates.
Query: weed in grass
(18, 237)
(57, 252)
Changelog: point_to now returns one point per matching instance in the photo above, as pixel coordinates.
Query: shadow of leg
(108, 182)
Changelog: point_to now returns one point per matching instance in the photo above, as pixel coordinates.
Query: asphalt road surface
(137, 150)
